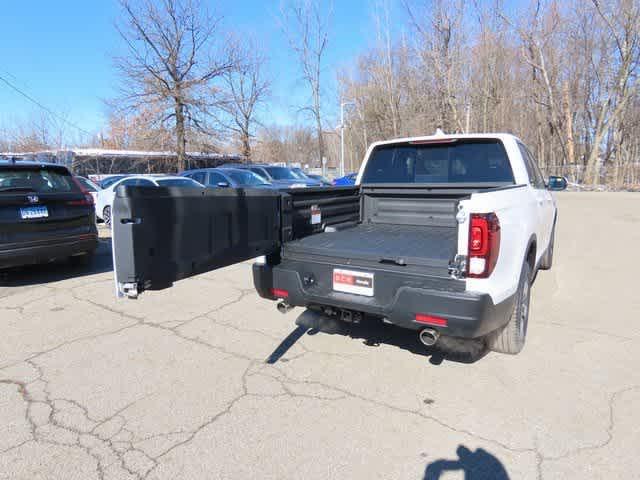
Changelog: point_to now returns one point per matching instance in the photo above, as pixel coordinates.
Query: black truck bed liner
(382, 243)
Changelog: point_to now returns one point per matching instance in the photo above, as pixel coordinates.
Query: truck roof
(442, 136)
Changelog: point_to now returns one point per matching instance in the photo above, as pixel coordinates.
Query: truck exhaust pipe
(429, 337)
(284, 307)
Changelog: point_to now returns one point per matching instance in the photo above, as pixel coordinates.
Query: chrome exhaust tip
(429, 337)
(284, 307)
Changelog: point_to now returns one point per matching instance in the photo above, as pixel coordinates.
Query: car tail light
(431, 320)
(279, 293)
(484, 244)
(88, 199)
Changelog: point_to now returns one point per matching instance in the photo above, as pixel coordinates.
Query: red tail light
(431, 320)
(88, 199)
(484, 244)
(279, 293)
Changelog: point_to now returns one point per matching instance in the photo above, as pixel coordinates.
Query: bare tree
(619, 44)
(306, 28)
(175, 52)
(245, 88)
(440, 24)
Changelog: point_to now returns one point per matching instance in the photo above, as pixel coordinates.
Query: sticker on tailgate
(349, 281)
(316, 215)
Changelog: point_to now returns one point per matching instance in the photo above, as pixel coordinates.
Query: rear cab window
(449, 161)
(37, 179)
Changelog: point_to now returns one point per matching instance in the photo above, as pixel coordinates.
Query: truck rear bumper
(468, 315)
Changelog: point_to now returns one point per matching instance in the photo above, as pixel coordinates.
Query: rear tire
(510, 339)
(106, 216)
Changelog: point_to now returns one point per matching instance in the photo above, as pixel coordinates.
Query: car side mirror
(223, 184)
(557, 183)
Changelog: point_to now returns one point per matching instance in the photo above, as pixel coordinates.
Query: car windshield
(246, 177)
(110, 181)
(40, 180)
(281, 173)
(299, 173)
(458, 161)
(178, 182)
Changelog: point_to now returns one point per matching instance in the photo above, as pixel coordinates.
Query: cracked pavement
(207, 380)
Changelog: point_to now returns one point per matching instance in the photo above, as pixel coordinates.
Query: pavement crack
(613, 398)
(588, 330)
(350, 394)
(213, 419)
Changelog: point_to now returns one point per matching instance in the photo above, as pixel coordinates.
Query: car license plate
(34, 212)
(348, 281)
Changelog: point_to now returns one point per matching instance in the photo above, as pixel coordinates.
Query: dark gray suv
(280, 177)
(45, 214)
(227, 177)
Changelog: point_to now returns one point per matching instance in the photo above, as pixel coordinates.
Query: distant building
(96, 161)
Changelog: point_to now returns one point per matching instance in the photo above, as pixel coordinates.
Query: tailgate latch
(458, 267)
(129, 290)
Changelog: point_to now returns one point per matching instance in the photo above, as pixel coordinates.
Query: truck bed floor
(384, 243)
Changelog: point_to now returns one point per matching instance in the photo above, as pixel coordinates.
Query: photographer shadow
(476, 465)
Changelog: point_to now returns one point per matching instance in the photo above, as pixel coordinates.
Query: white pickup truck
(441, 234)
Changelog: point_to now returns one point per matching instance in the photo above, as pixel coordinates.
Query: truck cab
(441, 234)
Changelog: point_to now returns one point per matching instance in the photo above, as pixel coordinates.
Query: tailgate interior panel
(165, 234)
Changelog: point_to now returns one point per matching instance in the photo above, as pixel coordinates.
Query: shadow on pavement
(374, 332)
(58, 270)
(476, 465)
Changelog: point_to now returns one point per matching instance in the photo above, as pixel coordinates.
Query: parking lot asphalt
(208, 381)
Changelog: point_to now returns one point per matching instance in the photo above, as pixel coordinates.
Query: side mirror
(223, 184)
(557, 183)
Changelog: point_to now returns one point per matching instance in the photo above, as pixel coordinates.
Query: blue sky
(60, 52)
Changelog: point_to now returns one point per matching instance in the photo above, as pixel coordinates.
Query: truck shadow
(476, 465)
(58, 270)
(374, 332)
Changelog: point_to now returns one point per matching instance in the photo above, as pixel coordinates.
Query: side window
(215, 178)
(533, 172)
(130, 182)
(536, 170)
(260, 172)
(143, 182)
(200, 177)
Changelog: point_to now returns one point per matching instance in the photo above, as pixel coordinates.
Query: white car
(104, 200)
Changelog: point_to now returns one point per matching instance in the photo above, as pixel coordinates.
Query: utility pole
(342, 105)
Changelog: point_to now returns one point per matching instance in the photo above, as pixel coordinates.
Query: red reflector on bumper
(431, 320)
(277, 292)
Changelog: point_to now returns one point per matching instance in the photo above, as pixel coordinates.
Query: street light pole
(342, 105)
